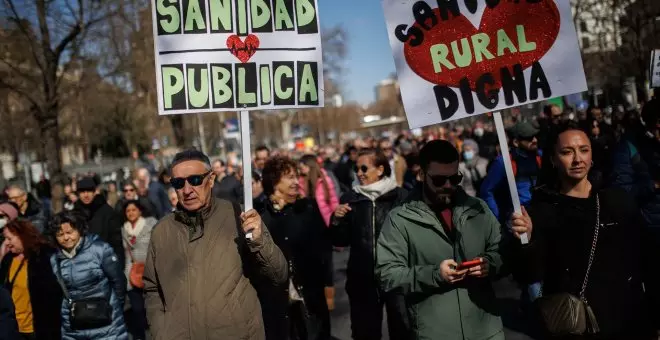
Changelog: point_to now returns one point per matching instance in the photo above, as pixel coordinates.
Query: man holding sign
(439, 249)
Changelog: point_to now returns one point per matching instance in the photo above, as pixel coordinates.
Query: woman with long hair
(90, 274)
(298, 309)
(589, 245)
(357, 223)
(316, 184)
(27, 275)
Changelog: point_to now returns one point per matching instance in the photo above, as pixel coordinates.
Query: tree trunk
(177, 128)
(53, 143)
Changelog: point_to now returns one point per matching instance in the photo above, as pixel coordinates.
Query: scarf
(73, 252)
(134, 232)
(375, 190)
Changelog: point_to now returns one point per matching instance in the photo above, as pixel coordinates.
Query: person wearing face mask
(296, 309)
(526, 163)
(487, 141)
(440, 248)
(591, 243)
(473, 167)
(357, 222)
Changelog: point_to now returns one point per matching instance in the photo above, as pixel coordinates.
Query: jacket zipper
(373, 231)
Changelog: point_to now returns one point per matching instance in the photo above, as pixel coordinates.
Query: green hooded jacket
(409, 251)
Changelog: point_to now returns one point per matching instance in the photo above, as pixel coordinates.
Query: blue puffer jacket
(94, 271)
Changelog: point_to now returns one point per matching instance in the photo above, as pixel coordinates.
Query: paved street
(341, 325)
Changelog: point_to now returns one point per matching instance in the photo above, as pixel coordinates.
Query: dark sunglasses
(362, 168)
(129, 190)
(194, 180)
(440, 180)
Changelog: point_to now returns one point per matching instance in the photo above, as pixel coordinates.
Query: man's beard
(444, 198)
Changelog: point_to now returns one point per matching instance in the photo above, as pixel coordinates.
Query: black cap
(86, 184)
(524, 130)
(190, 155)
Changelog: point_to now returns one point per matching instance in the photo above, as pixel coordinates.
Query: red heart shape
(243, 50)
(541, 21)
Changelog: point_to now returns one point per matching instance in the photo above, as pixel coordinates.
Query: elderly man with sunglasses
(440, 249)
(201, 262)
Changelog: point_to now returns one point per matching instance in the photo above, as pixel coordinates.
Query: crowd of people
(428, 220)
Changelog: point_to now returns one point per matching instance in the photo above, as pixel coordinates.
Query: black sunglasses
(363, 168)
(439, 180)
(194, 180)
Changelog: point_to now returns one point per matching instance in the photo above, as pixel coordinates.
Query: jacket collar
(195, 220)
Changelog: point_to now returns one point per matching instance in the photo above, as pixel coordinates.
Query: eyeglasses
(440, 180)
(527, 139)
(194, 180)
(362, 168)
(129, 190)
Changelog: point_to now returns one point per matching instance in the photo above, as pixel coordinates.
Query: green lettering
(503, 42)
(198, 98)
(462, 59)
(194, 17)
(172, 84)
(265, 84)
(304, 12)
(523, 45)
(279, 73)
(282, 16)
(221, 90)
(480, 43)
(439, 53)
(260, 13)
(242, 17)
(307, 85)
(171, 25)
(220, 15)
(244, 97)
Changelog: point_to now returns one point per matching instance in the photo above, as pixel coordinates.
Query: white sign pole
(244, 122)
(504, 147)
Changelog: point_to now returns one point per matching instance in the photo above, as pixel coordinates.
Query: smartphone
(469, 264)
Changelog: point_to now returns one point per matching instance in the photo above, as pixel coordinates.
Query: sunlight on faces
(218, 168)
(130, 193)
(14, 243)
(386, 147)
(17, 196)
(132, 213)
(572, 156)
(439, 193)
(288, 185)
(67, 237)
(192, 198)
(260, 159)
(372, 175)
(174, 199)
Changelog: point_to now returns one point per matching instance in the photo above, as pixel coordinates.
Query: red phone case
(469, 264)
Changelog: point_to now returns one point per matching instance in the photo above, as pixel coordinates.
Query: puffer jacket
(93, 271)
(359, 229)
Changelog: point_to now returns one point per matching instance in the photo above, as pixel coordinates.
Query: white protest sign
(655, 68)
(458, 58)
(232, 55)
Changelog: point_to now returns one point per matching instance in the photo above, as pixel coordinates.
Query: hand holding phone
(476, 268)
(470, 264)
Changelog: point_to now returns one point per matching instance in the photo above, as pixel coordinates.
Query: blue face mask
(468, 155)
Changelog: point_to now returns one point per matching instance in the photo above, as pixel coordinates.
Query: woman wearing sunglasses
(591, 244)
(297, 309)
(357, 223)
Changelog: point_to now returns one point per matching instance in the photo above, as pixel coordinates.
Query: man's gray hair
(191, 155)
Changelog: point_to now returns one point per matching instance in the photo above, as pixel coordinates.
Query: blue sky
(370, 57)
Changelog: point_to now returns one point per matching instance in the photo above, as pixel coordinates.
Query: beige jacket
(199, 289)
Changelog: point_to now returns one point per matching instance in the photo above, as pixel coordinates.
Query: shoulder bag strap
(58, 275)
(13, 279)
(128, 250)
(592, 254)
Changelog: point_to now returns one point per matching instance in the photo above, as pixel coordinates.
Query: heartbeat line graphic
(236, 50)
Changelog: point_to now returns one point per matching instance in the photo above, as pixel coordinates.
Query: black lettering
(471, 5)
(492, 3)
(447, 101)
(514, 84)
(489, 99)
(415, 33)
(538, 82)
(446, 6)
(466, 94)
(423, 12)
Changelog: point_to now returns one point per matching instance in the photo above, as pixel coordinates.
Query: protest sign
(232, 55)
(459, 58)
(655, 69)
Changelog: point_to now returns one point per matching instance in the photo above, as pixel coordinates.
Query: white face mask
(479, 132)
(3, 222)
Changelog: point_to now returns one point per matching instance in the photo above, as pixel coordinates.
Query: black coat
(299, 231)
(104, 221)
(8, 325)
(149, 209)
(625, 260)
(359, 229)
(45, 293)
